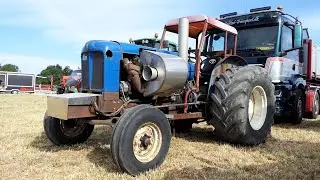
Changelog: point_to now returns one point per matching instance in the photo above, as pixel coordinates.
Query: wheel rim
(257, 109)
(72, 128)
(147, 142)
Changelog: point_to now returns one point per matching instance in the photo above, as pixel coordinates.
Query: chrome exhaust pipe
(183, 30)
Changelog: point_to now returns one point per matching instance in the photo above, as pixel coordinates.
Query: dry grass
(292, 152)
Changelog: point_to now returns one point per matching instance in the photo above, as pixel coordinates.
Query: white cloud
(33, 64)
(79, 21)
(71, 23)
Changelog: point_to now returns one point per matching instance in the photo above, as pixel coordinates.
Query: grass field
(292, 152)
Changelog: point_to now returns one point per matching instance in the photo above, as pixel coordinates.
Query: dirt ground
(292, 152)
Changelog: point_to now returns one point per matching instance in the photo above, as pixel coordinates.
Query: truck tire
(14, 92)
(141, 139)
(232, 113)
(298, 107)
(315, 108)
(66, 132)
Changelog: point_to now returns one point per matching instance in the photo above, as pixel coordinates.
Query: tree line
(57, 71)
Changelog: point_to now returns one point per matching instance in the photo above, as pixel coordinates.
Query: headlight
(84, 57)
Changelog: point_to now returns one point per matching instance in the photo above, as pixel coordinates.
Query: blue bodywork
(111, 65)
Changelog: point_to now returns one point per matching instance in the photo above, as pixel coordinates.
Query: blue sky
(37, 33)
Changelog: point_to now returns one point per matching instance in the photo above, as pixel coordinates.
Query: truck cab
(275, 40)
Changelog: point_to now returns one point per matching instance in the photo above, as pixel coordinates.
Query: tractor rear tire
(243, 104)
(66, 132)
(141, 139)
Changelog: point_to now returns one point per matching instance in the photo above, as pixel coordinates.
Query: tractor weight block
(70, 105)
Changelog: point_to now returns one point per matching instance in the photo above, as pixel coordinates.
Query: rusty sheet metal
(185, 116)
(110, 106)
(110, 102)
(110, 96)
(80, 112)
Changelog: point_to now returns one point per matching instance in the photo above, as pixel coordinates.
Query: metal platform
(65, 106)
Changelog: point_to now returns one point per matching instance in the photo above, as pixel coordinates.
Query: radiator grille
(97, 70)
(85, 72)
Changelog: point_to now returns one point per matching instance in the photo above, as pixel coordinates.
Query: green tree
(67, 71)
(9, 67)
(56, 71)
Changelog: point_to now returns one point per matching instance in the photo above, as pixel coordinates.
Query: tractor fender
(234, 60)
(222, 65)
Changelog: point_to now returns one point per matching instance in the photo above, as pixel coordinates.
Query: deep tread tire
(123, 135)
(315, 111)
(58, 137)
(298, 109)
(230, 100)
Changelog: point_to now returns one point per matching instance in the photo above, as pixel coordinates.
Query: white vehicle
(15, 82)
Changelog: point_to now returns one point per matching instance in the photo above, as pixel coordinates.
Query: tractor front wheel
(140, 139)
(67, 132)
(243, 105)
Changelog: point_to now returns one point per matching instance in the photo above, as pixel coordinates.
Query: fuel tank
(163, 73)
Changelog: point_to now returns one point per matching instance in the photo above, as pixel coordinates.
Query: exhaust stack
(183, 30)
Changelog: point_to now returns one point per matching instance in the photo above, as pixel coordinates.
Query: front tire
(14, 92)
(140, 139)
(243, 105)
(67, 132)
(298, 107)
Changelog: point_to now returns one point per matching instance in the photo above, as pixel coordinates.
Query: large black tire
(230, 103)
(122, 148)
(66, 132)
(298, 107)
(315, 108)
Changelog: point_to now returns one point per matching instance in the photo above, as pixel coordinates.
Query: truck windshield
(263, 38)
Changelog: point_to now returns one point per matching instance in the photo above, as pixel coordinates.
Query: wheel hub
(72, 127)
(257, 108)
(147, 142)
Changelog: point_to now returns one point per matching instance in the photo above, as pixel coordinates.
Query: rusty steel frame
(198, 55)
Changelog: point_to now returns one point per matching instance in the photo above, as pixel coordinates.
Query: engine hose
(186, 100)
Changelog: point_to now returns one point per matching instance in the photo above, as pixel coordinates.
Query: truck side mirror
(297, 36)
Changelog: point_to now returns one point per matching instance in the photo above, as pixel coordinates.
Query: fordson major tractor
(148, 93)
(278, 42)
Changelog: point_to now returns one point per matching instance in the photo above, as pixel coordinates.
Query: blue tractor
(147, 94)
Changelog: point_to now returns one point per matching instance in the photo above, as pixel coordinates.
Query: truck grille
(97, 71)
(85, 72)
